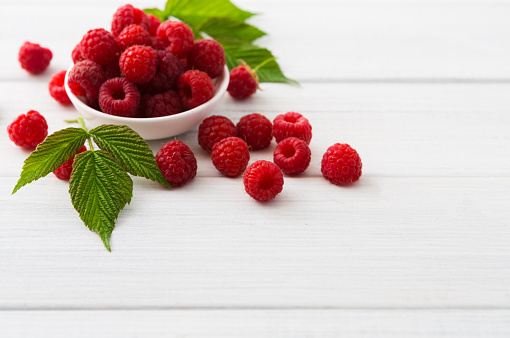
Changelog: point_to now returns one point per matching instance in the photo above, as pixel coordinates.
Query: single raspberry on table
(85, 79)
(341, 164)
(244, 82)
(34, 58)
(177, 36)
(292, 155)
(256, 130)
(99, 45)
(138, 63)
(292, 124)
(56, 87)
(213, 129)
(164, 104)
(208, 56)
(154, 24)
(28, 130)
(133, 35)
(263, 180)
(195, 88)
(177, 163)
(230, 156)
(119, 96)
(167, 74)
(127, 15)
(64, 171)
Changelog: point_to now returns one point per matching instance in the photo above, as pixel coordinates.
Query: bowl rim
(220, 87)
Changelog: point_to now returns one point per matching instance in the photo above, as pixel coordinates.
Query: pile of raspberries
(143, 67)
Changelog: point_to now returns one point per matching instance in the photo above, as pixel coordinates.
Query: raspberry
(164, 104)
(64, 171)
(119, 96)
(133, 35)
(34, 58)
(76, 54)
(244, 82)
(195, 88)
(263, 180)
(167, 74)
(128, 15)
(99, 45)
(154, 24)
(112, 69)
(213, 129)
(292, 155)
(256, 130)
(341, 164)
(28, 130)
(230, 156)
(208, 56)
(138, 63)
(178, 36)
(177, 163)
(56, 88)
(292, 124)
(85, 79)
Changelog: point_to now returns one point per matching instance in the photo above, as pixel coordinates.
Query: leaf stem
(263, 63)
(82, 124)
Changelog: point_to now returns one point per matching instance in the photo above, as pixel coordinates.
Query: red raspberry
(292, 155)
(128, 15)
(28, 130)
(263, 180)
(164, 104)
(177, 163)
(213, 129)
(133, 35)
(85, 79)
(179, 37)
(341, 164)
(292, 124)
(99, 45)
(256, 130)
(154, 24)
(76, 54)
(64, 171)
(195, 88)
(167, 74)
(230, 156)
(119, 96)
(34, 58)
(138, 63)
(244, 82)
(208, 56)
(112, 69)
(56, 88)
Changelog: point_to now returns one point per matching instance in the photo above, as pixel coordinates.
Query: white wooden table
(419, 247)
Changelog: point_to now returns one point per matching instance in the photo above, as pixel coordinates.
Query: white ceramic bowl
(156, 127)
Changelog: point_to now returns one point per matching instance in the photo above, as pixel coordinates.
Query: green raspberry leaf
(130, 150)
(56, 149)
(99, 189)
(219, 28)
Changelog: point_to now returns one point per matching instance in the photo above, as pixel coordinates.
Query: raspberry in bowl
(158, 127)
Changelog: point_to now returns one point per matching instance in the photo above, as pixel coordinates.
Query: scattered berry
(341, 164)
(99, 45)
(195, 88)
(133, 35)
(213, 129)
(164, 104)
(230, 156)
(128, 15)
(28, 130)
(292, 155)
(34, 58)
(56, 87)
(85, 79)
(177, 163)
(292, 124)
(263, 180)
(138, 63)
(119, 96)
(154, 24)
(177, 36)
(244, 82)
(256, 130)
(208, 56)
(64, 171)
